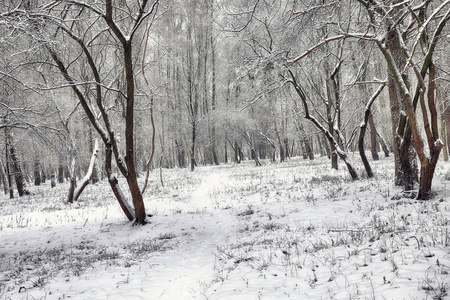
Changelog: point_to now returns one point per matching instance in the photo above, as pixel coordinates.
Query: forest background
(177, 84)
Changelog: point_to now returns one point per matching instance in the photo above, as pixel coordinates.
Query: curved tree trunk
(342, 154)
(367, 114)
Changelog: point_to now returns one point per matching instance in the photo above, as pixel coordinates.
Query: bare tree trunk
(88, 177)
(52, 180)
(404, 157)
(326, 147)
(304, 140)
(213, 97)
(309, 150)
(237, 152)
(286, 147)
(333, 91)
(4, 177)
(152, 151)
(384, 146)
(136, 195)
(43, 175)
(442, 98)
(114, 183)
(96, 170)
(37, 172)
(429, 114)
(60, 172)
(14, 164)
(367, 114)
(373, 139)
(72, 180)
(194, 136)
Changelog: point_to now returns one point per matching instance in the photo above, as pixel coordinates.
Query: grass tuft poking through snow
(293, 230)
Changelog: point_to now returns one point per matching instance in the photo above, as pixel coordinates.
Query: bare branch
(314, 8)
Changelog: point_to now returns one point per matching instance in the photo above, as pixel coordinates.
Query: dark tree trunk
(286, 147)
(404, 156)
(367, 115)
(255, 157)
(192, 153)
(37, 172)
(373, 139)
(362, 152)
(136, 195)
(14, 164)
(213, 93)
(114, 183)
(43, 176)
(72, 181)
(308, 148)
(181, 155)
(237, 152)
(52, 181)
(61, 173)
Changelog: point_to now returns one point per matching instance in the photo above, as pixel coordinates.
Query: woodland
(114, 90)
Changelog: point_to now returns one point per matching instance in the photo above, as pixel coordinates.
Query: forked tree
(408, 43)
(104, 34)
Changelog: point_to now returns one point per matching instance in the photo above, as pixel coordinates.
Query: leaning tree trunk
(342, 154)
(367, 114)
(92, 145)
(384, 145)
(88, 177)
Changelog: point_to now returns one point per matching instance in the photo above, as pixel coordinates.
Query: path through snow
(183, 271)
(187, 271)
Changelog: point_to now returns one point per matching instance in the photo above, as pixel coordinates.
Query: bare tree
(84, 23)
(331, 139)
(400, 54)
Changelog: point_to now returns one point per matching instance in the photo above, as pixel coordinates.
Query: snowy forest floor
(295, 230)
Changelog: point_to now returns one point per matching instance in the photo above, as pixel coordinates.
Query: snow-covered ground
(296, 230)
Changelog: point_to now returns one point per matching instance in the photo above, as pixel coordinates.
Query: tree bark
(72, 180)
(37, 172)
(60, 172)
(88, 176)
(4, 177)
(367, 114)
(384, 146)
(373, 139)
(14, 164)
(52, 181)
